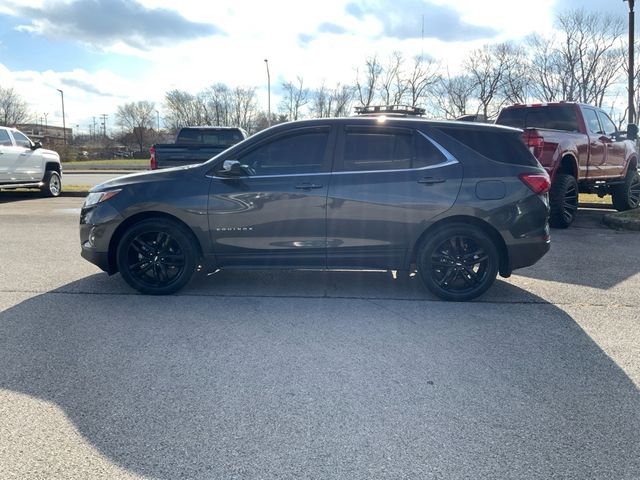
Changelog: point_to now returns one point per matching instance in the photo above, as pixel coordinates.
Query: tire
(157, 256)
(458, 262)
(627, 195)
(52, 184)
(563, 201)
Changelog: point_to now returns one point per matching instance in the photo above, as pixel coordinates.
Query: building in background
(50, 136)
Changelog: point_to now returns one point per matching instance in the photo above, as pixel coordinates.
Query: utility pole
(64, 122)
(631, 107)
(266, 61)
(94, 129)
(104, 124)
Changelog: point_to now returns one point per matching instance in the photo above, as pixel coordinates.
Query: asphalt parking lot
(290, 375)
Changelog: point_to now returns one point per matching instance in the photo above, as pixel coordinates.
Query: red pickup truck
(583, 152)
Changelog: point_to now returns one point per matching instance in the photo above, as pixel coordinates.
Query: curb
(613, 220)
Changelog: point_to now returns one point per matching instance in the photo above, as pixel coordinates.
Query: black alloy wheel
(626, 196)
(156, 257)
(458, 263)
(563, 201)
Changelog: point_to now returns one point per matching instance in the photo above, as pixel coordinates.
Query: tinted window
(376, 149)
(21, 140)
(591, 120)
(426, 153)
(296, 153)
(5, 140)
(502, 146)
(607, 124)
(553, 117)
(209, 137)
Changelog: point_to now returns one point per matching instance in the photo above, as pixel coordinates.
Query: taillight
(538, 182)
(152, 161)
(534, 141)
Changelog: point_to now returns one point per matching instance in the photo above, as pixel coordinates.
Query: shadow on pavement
(589, 253)
(258, 386)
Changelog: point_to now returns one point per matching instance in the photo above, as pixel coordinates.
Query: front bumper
(98, 224)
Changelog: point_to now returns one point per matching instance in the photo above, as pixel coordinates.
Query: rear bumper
(527, 253)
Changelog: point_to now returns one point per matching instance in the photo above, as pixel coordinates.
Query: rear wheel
(627, 195)
(563, 201)
(157, 256)
(52, 184)
(458, 263)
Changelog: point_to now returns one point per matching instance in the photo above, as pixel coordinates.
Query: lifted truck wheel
(627, 195)
(563, 201)
(52, 184)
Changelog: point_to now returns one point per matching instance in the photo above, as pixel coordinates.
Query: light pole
(64, 122)
(45, 123)
(158, 119)
(632, 113)
(268, 93)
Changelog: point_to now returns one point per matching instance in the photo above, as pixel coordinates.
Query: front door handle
(308, 186)
(431, 180)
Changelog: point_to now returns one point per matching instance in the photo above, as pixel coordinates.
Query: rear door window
(374, 148)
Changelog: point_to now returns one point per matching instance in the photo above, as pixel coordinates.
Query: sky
(104, 53)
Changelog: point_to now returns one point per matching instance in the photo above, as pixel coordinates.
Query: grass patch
(629, 214)
(76, 188)
(124, 162)
(593, 198)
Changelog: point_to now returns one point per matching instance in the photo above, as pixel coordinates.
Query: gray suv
(458, 202)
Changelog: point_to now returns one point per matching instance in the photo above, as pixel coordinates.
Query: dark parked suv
(457, 202)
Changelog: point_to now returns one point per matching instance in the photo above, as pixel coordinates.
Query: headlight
(98, 197)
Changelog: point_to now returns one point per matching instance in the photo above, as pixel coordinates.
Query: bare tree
(423, 76)
(295, 97)
(452, 95)
(218, 102)
(341, 98)
(183, 109)
(137, 118)
(582, 62)
(588, 47)
(366, 87)
(13, 109)
(488, 67)
(244, 108)
(392, 85)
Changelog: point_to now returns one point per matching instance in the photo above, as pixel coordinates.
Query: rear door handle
(431, 180)
(308, 186)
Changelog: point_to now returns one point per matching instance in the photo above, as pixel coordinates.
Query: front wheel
(458, 263)
(627, 195)
(52, 184)
(157, 256)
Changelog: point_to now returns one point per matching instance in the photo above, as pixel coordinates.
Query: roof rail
(399, 110)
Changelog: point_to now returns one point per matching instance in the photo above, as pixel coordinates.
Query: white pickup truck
(25, 164)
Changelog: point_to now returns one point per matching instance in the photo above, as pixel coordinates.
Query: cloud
(305, 39)
(107, 22)
(404, 21)
(328, 27)
(86, 86)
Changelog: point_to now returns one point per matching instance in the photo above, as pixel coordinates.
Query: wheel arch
(132, 220)
(52, 166)
(504, 265)
(568, 165)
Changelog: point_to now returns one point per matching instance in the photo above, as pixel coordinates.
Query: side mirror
(233, 168)
(632, 131)
(36, 146)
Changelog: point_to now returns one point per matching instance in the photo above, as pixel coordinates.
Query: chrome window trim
(450, 160)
